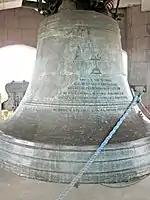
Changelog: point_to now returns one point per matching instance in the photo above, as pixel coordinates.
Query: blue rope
(99, 149)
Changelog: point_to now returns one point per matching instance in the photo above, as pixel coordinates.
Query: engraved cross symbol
(96, 69)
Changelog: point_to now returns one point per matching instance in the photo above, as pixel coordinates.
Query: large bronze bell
(78, 92)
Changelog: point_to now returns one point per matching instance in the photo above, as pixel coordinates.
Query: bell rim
(51, 174)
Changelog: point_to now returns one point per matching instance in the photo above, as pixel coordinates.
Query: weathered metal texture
(78, 92)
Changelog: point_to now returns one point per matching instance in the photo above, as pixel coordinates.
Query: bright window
(16, 64)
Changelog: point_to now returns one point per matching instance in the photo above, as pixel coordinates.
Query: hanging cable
(144, 107)
(144, 112)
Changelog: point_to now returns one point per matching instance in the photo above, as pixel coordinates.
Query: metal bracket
(139, 88)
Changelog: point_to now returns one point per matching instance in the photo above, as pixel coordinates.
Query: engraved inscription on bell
(77, 94)
(93, 90)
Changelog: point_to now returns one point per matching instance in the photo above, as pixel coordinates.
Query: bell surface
(78, 92)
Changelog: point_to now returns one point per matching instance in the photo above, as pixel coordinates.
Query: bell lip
(112, 147)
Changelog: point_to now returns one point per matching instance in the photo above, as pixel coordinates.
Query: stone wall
(19, 26)
(138, 48)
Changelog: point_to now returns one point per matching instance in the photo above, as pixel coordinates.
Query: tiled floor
(13, 187)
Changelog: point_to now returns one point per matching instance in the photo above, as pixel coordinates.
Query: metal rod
(115, 15)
